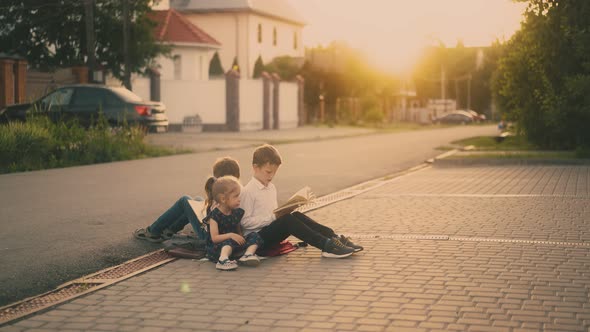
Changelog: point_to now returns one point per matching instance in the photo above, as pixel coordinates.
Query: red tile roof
(172, 27)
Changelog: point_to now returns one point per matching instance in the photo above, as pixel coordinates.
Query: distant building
(441, 107)
(187, 65)
(160, 4)
(192, 48)
(247, 29)
(408, 107)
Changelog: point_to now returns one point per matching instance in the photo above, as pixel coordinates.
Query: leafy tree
(339, 71)
(460, 64)
(285, 66)
(51, 33)
(215, 67)
(258, 68)
(543, 78)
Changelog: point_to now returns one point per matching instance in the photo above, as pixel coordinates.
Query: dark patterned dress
(228, 224)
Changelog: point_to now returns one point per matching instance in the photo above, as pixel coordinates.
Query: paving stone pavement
(503, 248)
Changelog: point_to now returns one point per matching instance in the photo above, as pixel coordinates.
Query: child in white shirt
(259, 200)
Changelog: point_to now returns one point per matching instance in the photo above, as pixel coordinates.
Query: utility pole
(442, 82)
(127, 72)
(91, 59)
(443, 90)
(457, 94)
(469, 91)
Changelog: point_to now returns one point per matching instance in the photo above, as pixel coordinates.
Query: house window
(259, 33)
(200, 70)
(177, 67)
(295, 40)
(274, 36)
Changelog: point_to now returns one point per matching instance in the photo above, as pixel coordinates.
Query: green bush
(40, 144)
(582, 152)
(258, 68)
(215, 67)
(345, 116)
(373, 115)
(543, 76)
(24, 146)
(371, 110)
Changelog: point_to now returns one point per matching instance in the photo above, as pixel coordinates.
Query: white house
(247, 29)
(188, 93)
(192, 48)
(184, 75)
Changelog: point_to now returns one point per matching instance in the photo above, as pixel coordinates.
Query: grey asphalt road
(58, 225)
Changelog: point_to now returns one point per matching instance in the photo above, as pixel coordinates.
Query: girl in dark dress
(223, 223)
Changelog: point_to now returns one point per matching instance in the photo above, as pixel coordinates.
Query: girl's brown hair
(223, 185)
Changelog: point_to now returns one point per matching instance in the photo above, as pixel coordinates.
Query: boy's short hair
(266, 154)
(226, 166)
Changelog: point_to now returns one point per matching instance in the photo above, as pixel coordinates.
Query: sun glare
(393, 33)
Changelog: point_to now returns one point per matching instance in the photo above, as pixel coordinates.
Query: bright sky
(394, 32)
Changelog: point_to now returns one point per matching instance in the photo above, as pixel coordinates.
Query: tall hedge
(543, 77)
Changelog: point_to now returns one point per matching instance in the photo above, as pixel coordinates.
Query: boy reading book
(259, 201)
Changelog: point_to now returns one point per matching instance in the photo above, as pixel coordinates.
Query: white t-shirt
(258, 202)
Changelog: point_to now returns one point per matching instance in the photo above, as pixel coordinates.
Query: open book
(198, 208)
(303, 196)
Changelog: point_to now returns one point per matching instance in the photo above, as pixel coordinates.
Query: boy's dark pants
(298, 225)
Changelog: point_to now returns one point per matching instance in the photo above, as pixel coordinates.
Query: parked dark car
(477, 117)
(85, 101)
(457, 117)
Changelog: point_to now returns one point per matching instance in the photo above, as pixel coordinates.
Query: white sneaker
(226, 265)
(249, 260)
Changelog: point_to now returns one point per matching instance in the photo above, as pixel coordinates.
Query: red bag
(276, 250)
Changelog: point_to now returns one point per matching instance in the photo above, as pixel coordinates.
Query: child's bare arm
(216, 237)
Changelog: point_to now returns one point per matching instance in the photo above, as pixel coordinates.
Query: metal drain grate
(550, 243)
(399, 236)
(327, 200)
(486, 195)
(357, 189)
(83, 285)
(471, 239)
(130, 267)
(43, 301)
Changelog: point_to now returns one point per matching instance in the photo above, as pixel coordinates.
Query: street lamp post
(89, 20)
(469, 92)
(322, 108)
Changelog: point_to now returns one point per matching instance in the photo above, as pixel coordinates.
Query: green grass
(489, 143)
(519, 155)
(512, 147)
(42, 144)
(445, 148)
(387, 127)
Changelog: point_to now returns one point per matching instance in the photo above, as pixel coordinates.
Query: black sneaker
(167, 234)
(348, 242)
(144, 234)
(335, 249)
